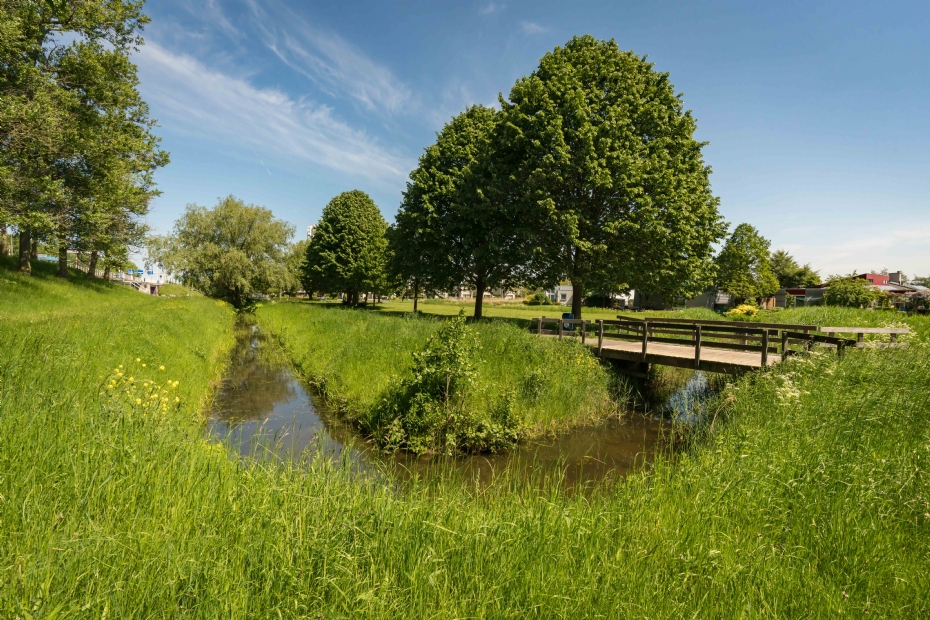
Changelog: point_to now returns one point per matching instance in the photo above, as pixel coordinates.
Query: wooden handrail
(751, 324)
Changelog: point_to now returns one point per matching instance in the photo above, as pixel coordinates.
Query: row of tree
(589, 172)
(77, 152)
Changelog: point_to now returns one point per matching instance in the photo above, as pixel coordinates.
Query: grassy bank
(352, 356)
(806, 498)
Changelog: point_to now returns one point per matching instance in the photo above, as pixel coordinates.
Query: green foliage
(850, 291)
(78, 156)
(428, 412)
(230, 251)
(615, 182)
(790, 274)
(355, 359)
(538, 298)
(808, 486)
(743, 268)
(459, 222)
(743, 311)
(347, 253)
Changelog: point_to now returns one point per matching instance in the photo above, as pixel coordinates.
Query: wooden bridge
(712, 346)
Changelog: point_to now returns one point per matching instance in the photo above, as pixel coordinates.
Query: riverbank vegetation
(802, 495)
(355, 359)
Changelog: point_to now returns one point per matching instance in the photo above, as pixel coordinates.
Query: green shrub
(850, 292)
(428, 412)
(539, 298)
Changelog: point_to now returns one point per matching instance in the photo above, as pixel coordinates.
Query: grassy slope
(808, 499)
(351, 356)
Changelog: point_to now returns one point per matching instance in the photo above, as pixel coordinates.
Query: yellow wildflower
(138, 360)
(161, 368)
(138, 401)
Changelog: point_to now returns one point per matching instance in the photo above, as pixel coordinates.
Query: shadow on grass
(45, 271)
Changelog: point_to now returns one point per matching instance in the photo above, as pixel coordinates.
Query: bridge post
(539, 327)
(561, 326)
(645, 338)
(584, 330)
(697, 347)
(765, 348)
(600, 336)
(784, 344)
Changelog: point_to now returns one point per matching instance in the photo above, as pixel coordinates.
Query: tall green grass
(806, 497)
(352, 356)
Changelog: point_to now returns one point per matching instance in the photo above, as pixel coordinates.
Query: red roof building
(878, 279)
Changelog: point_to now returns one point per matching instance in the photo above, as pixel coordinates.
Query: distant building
(878, 279)
(310, 230)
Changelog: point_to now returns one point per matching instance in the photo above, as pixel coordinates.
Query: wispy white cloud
(532, 28)
(492, 8)
(902, 248)
(336, 66)
(215, 106)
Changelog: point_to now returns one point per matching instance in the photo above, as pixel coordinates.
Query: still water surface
(264, 411)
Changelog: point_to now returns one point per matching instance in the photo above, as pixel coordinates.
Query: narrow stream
(264, 411)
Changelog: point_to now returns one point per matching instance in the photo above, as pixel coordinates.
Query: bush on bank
(363, 365)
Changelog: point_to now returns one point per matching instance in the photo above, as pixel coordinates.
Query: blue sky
(817, 114)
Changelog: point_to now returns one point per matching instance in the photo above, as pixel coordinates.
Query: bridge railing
(762, 338)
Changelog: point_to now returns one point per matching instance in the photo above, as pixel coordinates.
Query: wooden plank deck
(700, 345)
(712, 360)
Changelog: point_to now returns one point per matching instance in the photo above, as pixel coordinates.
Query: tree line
(588, 173)
(77, 151)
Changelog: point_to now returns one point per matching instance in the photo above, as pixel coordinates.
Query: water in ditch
(264, 411)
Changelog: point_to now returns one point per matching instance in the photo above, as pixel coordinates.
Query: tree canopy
(230, 251)
(347, 253)
(77, 152)
(790, 274)
(849, 291)
(617, 183)
(743, 268)
(459, 223)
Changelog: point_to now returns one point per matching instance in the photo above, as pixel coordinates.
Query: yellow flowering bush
(744, 310)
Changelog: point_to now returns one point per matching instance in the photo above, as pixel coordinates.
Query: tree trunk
(416, 291)
(106, 272)
(25, 245)
(3, 242)
(63, 261)
(34, 249)
(479, 297)
(92, 266)
(577, 292)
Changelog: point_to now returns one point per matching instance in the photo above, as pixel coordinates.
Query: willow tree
(621, 193)
(231, 251)
(347, 252)
(460, 222)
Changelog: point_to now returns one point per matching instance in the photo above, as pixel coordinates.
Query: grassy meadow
(351, 357)
(805, 496)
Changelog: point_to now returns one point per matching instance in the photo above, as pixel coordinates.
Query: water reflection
(262, 409)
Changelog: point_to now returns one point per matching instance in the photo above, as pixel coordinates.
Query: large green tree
(609, 162)
(790, 274)
(459, 222)
(347, 253)
(743, 268)
(231, 251)
(76, 148)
